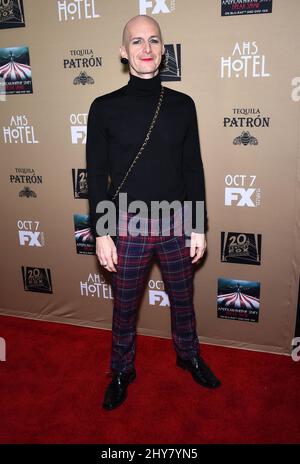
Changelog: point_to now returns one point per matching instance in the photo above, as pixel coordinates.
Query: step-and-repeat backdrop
(239, 60)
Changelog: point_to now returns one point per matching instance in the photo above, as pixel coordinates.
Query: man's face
(143, 48)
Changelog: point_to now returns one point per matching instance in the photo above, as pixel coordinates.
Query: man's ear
(123, 52)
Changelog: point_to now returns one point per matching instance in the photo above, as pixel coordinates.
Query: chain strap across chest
(144, 144)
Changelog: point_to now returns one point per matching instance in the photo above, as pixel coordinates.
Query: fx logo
(296, 350)
(29, 233)
(2, 349)
(30, 238)
(78, 134)
(241, 196)
(158, 296)
(159, 6)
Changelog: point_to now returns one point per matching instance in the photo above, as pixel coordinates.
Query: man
(170, 169)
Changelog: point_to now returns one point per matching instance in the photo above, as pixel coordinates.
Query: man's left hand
(198, 246)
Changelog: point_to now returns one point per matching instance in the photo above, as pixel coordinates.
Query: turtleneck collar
(139, 86)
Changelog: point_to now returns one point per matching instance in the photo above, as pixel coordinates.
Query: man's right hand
(107, 252)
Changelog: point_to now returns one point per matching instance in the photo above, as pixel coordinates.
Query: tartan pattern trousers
(134, 257)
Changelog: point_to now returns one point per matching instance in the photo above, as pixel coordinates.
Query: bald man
(169, 170)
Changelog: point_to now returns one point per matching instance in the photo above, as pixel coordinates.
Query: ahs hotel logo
(245, 61)
(76, 10)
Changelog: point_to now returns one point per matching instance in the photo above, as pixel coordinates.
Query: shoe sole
(109, 408)
(194, 377)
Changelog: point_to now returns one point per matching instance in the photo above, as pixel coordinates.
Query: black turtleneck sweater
(170, 167)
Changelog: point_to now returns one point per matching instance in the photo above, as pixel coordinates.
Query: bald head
(142, 46)
(138, 20)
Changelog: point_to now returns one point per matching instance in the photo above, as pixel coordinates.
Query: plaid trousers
(134, 257)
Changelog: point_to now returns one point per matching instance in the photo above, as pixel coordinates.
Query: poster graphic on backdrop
(11, 14)
(240, 7)
(37, 279)
(85, 242)
(260, 99)
(171, 70)
(239, 247)
(238, 299)
(15, 70)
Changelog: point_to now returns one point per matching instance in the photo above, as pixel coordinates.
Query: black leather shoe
(200, 371)
(116, 391)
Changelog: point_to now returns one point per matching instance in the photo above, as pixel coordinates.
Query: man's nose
(147, 47)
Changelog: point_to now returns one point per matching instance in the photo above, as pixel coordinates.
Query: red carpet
(53, 381)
